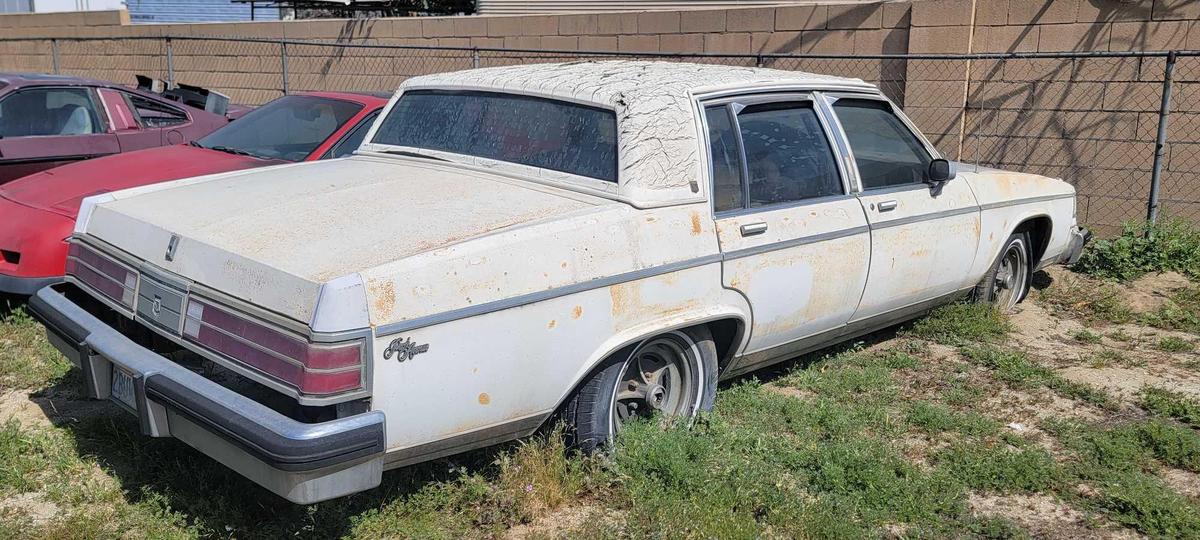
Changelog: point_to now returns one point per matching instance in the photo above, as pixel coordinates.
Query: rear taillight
(312, 368)
(102, 274)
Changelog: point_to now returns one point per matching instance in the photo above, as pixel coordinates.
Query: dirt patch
(51, 409)
(789, 391)
(1150, 292)
(1126, 383)
(31, 506)
(1185, 483)
(16, 405)
(557, 524)
(1042, 516)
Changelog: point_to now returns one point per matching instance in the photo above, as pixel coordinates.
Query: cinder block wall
(1091, 119)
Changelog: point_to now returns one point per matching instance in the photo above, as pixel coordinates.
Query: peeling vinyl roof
(658, 148)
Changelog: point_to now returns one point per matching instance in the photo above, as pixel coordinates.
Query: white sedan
(589, 241)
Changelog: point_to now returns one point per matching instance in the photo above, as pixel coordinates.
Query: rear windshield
(537, 132)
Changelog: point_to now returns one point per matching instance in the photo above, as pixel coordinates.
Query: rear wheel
(1007, 282)
(672, 374)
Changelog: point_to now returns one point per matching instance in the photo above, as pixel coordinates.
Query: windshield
(537, 132)
(289, 128)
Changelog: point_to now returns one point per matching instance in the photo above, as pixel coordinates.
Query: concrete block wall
(1092, 121)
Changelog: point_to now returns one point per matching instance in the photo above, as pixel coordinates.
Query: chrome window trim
(784, 206)
(741, 99)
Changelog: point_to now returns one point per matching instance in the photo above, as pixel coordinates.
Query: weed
(1121, 335)
(1171, 244)
(958, 324)
(1180, 312)
(1085, 299)
(1175, 344)
(1086, 336)
(1144, 503)
(1171, 404)
(1107, 357)
(935, 418)
(998, 467)
(1018, 371)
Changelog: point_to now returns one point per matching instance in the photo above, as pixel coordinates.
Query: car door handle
(887, 206)
(751, 229)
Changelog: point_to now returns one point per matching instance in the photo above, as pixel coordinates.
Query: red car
(50, 120)
(39, 210)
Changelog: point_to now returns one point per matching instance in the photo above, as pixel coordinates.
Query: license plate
(122, 388)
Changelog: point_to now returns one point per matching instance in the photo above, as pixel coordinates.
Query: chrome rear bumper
(1079, 238)
(304, 463)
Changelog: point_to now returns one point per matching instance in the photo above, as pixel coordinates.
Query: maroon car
(49, 120)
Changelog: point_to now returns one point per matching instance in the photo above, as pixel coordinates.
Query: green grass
(27, 360)
(1108, 357)
(1001, 468)
(936, 418)
(1085, 299)
(1019, 371)
(1180, 312)
(1086, 336)
(1175, 344)
(1171, 405)
(957, 324)
(1119, 462)
(1172, 244)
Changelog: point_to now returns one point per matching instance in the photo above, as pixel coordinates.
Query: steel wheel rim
(658, 378)
(1011, 276)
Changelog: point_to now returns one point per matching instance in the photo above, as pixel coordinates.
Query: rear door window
(769, 154)
(152, 114)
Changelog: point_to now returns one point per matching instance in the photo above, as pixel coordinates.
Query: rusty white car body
(420, 299)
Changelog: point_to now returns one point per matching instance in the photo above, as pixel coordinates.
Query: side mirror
(940, 171)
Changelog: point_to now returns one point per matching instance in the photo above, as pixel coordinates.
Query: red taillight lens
(102, 274)
(311, 368)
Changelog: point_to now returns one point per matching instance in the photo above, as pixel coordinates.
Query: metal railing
(1123, 127)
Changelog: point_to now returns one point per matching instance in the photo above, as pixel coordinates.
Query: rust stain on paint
(552, 324)
(385, 297)
(577, 312)
(484, 399)
(695, 224)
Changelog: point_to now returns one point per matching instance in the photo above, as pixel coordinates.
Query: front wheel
(1007, 282)
(672, 374)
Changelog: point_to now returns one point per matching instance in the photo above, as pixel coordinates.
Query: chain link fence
(1097, 120)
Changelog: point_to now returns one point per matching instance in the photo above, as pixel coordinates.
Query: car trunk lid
(272, 237)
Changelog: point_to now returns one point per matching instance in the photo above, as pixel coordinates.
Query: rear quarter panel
(520, 363)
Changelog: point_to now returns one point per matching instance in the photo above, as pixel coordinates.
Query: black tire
(1016, 279)
(588, 415)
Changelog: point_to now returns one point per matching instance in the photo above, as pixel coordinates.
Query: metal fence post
(475, 57)
(54, 54)
(758, 60)
(170, 64)
(1160, 142)
(283, 58)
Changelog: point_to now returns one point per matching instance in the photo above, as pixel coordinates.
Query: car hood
(272, 237)
(61, 189)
